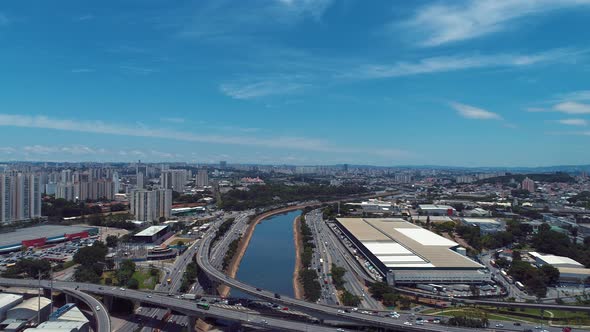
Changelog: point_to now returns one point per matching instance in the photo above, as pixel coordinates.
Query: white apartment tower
(174, 179)
(151, 205)
(202, 178)
(20, 197)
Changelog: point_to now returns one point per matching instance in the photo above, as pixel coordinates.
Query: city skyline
(467, 83)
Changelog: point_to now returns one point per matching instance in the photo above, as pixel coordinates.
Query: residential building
(528, 185)
(202, 178)
(151, 205)
(174, 179)
(20, 197)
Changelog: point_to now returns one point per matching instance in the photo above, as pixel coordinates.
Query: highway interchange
(332, 251)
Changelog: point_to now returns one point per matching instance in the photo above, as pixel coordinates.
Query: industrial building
(26, 311)
(8, 301)
(436, 210)
(570, 271)
(41, 235)
(151, 234)
(486, 225)
(408, 254)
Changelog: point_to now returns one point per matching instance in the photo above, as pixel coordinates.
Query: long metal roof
(423, 249)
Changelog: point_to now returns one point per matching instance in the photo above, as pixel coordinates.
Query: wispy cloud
(315, 8)
(4, 19)
(572, 107)
(251, 90)
(573, 122)
(99, 127)
(173, 120)
(455, 63)
(69, 149)
(472, 112)
(446, 22)
(138, 70)
(82, 70)
(82, 18)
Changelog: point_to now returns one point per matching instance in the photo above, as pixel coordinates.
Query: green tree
(133, 283)
(550, 274)
(112, 241)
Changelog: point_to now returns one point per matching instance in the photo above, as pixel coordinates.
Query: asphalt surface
(334, 313)
(187, 307)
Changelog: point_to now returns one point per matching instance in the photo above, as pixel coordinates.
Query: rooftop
(482, 221)
(435, 207)
(29, 233)
(398, 243)
(555, 260)
(8, 299)
(152, 230)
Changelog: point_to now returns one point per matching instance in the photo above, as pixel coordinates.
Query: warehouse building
(570, 271)
(42, 235)
(25, 312)
(8, 301)
(486, 225)
(151, 234)
(436, 210)
(408, 254)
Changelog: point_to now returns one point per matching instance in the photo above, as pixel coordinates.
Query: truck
(169, 281)
(189, 296)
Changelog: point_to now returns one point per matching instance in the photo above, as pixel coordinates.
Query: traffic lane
(103, 321)
(286, 301)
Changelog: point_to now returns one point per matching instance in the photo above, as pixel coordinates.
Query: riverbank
(297, 286)
(233, 267)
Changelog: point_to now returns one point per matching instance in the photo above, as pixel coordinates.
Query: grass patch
(506, 314)
(186, 242)
(143, 276)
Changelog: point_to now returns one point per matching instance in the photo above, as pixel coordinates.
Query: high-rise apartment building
(202, 178)
(174, 179)
(151, 205)
(65, 191)
(528, 185)
(20, 197)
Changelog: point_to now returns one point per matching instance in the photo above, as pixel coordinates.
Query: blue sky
(471, 83)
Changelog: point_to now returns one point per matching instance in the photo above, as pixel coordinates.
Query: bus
(203, 305)
(519, 285)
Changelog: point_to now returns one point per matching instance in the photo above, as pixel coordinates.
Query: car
(100, 288)
(419, 322)
(408, 323)
(258, 289)
(516, 324)
(340, 329)
(537, 327)
(123, 289)
(499, 325)
(97, 308)
(340, 311)
(149, 296)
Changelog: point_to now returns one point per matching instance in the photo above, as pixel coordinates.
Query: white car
(97, 308)
(340, 311)
(408, 323)
(499, 325)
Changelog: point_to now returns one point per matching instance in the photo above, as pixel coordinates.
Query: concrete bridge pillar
(192, 322)
(70, 298)
(107, 300)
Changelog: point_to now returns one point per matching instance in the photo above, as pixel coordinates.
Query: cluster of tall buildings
(92, 184)
(151, 205)
(20, 197)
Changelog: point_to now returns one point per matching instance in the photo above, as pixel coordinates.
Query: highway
(329, 249)
(334, 313)
(101, 314)
(187, 307)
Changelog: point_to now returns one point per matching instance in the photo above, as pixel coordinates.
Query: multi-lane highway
(334, 313)
(187, 307)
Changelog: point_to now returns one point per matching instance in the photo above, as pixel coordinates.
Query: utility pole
(51, 289)
(39, 299)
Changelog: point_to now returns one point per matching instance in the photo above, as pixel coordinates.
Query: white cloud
(7, 150)
(82, 70)
(581, 95)
(315, 8)
(572, 107)
(573, 122)
(70, 149)
(99, 127)
(471, 112)
(455, 63)
(173, 120)
(252, 90)
(446, 22)
(84, 18)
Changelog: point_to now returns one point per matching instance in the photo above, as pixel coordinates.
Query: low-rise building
(486, 225)
(436, 210)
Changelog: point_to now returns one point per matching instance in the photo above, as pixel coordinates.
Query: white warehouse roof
(9, 300)
(151, 231)
(557, 261)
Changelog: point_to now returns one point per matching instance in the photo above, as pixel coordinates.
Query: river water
(269, 260)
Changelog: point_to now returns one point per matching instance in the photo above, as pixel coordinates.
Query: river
(269, 260)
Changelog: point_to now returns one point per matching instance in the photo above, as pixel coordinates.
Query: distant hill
(541, 177)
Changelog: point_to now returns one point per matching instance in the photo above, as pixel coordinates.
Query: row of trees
(383, 292)
(338, 276)
(265, 195)
(312, 289)
(223, 228)
(231, 251)
(29, 268)
(91, 262)
(189, 276)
